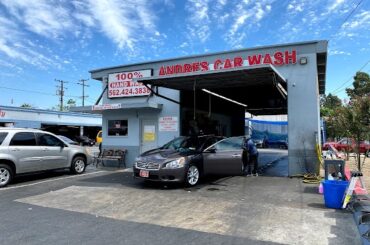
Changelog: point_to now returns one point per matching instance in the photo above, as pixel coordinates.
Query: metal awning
(218, 79)
(118, 107)
(261, 87)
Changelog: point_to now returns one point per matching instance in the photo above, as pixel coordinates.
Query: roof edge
(210, 54)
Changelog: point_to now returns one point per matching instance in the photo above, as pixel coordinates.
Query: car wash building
(147, 104)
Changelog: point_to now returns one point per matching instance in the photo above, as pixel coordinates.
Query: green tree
(328, 110)
(361, 85)
(330, 101)
(353, 121)
(70, 103)
(25, 105)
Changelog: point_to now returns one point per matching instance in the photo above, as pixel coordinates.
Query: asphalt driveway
(110, 207)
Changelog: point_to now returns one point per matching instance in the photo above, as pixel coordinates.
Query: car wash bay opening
(210, 94)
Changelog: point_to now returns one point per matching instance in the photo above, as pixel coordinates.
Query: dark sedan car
(186, 159)
(84, 140)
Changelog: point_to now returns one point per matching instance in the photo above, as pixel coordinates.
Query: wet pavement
(273, 162)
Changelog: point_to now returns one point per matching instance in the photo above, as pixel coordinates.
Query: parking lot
(106, 206)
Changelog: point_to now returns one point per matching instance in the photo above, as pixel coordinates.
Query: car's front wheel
(6, 175)
(192, 176)
(78, 165)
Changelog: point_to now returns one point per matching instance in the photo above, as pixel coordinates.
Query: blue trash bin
(334, 192)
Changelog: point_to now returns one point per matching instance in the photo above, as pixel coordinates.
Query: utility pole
(82, 83)
(60, 92)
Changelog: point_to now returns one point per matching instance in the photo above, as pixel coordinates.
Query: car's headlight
(137, 159)
(178, 163)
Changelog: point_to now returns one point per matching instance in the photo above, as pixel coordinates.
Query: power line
(37, 92)
(28, 91)
(350, 14)
(347, 18)
(43, 93)
(82, 83)
(338, 89)
(60, 92)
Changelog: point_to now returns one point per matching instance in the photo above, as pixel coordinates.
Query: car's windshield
(66, 139)
(185, 143)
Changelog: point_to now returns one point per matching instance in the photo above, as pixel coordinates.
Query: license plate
(144, 173)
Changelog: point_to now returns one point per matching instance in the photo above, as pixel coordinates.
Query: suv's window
(2, 137)
(48, 140)
(23, 139)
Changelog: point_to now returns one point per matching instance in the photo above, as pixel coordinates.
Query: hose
(311, 179)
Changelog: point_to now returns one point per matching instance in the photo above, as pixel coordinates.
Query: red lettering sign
(122, 84)
(278, 58)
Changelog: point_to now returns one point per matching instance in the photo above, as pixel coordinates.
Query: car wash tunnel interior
(216, 103)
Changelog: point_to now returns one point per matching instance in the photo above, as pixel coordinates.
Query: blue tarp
(270, 131)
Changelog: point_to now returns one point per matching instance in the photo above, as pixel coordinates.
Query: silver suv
(31, 150)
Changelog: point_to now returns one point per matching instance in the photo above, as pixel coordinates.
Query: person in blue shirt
(251, 159)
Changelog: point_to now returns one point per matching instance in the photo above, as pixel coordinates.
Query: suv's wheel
(78, 165)
(6, 175)
(192, 176)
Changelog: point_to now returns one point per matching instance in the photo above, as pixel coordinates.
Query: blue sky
(44, 40)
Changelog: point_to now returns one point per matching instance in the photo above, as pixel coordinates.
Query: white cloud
(335, 4)
(46, 18)
(184, 45)
(198, 21)
(338, 52)
(124, 22)
(14, 45)
(296, 6)
(361, 20)
(247, 16)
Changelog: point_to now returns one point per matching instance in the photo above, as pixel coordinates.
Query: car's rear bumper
(164, 175)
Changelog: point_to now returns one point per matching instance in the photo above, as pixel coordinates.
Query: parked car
(68, 140)
(347, 144)
(258, 143)
(31, 150)
(84, 140)
(99, 137)
(282, 144)
(187, 159)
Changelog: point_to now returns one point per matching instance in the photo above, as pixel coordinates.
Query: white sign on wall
(122, 84)
(168, 124)
(106, 107)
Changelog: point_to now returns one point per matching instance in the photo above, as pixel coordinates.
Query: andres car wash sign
(278, 58)
(122, 84)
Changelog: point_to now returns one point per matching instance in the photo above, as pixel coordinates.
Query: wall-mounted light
(303, 60)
